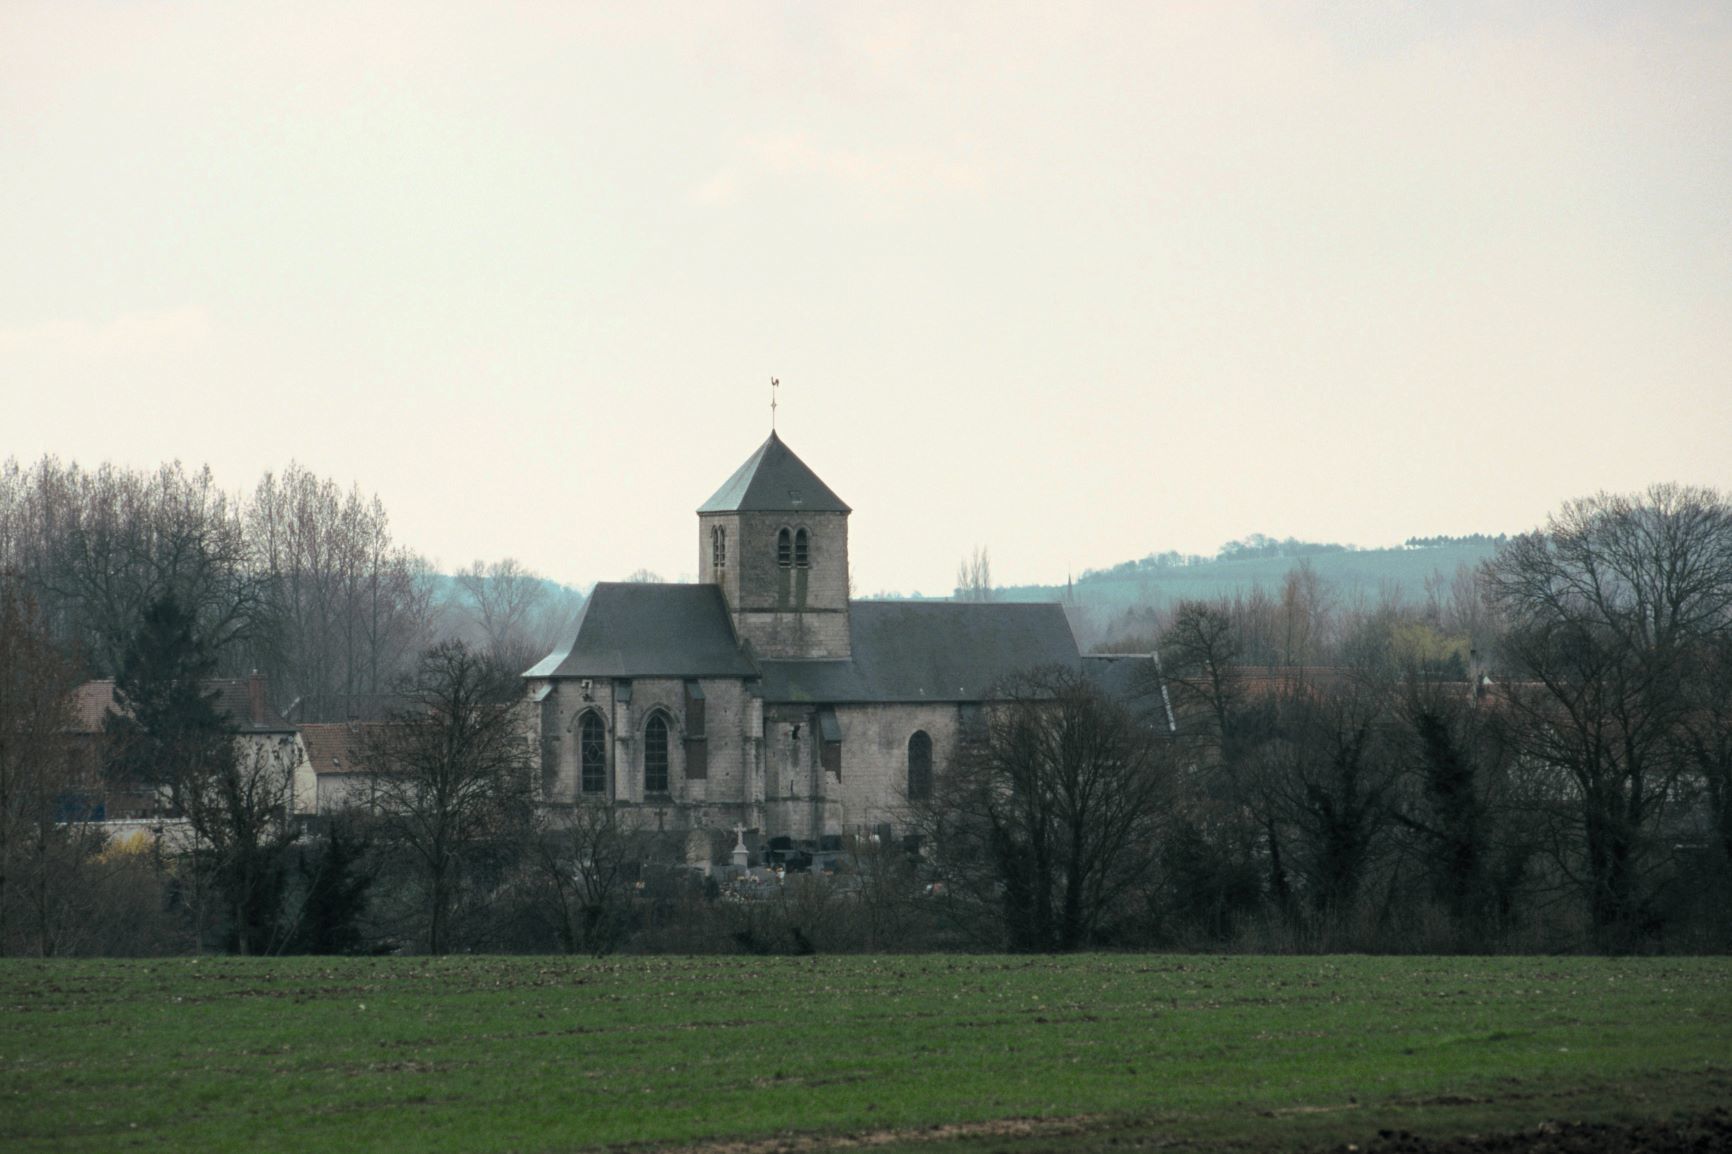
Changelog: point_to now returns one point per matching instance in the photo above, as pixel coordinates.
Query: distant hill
(1162, 579)
(1106, 605)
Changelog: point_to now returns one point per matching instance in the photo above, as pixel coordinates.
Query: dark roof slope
(640, 630)
(773, 479)
(1135, 681)
(928, 651)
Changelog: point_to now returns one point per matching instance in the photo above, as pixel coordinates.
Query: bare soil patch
(1709, 1133)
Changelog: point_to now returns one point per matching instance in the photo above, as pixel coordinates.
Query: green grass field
(530, 1054)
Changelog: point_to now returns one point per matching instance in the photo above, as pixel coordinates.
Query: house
(335, 756)
(260, 733)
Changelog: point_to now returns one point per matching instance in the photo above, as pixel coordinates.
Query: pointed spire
(773, 478)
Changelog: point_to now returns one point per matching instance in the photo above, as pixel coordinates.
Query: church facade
(762, 696)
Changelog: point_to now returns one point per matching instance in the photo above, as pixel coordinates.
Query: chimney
(256, 697)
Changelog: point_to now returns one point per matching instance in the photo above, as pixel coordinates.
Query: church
(762, 696)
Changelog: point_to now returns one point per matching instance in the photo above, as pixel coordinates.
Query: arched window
(655, 755)
(718, 547)
(919, 766)
(592, 754)
(801, 557)
(784, 548)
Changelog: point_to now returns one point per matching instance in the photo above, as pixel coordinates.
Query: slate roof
(928, 651)
(644, 630)
(774, 479)
(94, 699)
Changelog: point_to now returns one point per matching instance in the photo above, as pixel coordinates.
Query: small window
(592, 754)
(655, 755)
(919, 766)
(718, 547)
(784, 549)
(801, 557)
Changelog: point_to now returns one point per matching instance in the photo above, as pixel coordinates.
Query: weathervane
(774, 385)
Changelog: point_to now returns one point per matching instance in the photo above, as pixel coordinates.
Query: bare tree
(587, 861)
(1051, 822)
(1330, 777)
(347, 609)
(502, 598)
(1454, 805)
(98, 548)
(1611, 608)
(45, 842)
(974, 577)
(1200, 655)
(454, 772)
(1304, 614)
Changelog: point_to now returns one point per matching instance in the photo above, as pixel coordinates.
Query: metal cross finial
(774, 385)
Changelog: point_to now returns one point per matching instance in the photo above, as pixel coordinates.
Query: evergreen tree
(336, 896)
(166, 729)
(169, 733)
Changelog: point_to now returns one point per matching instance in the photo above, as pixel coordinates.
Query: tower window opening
(802, 557)
(784, 549)
(718, 547)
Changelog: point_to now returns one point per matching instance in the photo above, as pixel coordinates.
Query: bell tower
(775, 539)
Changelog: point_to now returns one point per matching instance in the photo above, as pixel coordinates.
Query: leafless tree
(347, 609)
(974, 577)
(1200, 660)
(1611, 608)
(97, 548)
(503, 598)
(586, 860)
(1304, 609)
(1052, 820)
(1329, 777)
(1705, 741)
(46, 841)
(454, 771)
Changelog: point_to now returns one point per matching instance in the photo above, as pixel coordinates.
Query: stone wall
(784, 612)
(805, 800)
(718, 798)
(872, 786)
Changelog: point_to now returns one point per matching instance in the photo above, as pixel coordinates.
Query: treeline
(301, 580)
(163, 582)
(1538, 756)
(1154, 562)
(1534, 756)
(1250, 547)
(1257, 545)
(1444, 541)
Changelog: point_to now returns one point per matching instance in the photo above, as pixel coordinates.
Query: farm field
(757, 1054)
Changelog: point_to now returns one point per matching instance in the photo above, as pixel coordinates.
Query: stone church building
(762, 695)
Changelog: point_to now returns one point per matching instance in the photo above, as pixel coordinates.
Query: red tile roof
(336, 747)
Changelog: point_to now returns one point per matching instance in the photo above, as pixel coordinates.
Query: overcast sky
(1076, 282)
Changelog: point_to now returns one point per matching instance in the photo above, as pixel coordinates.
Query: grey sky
(1073, 281)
